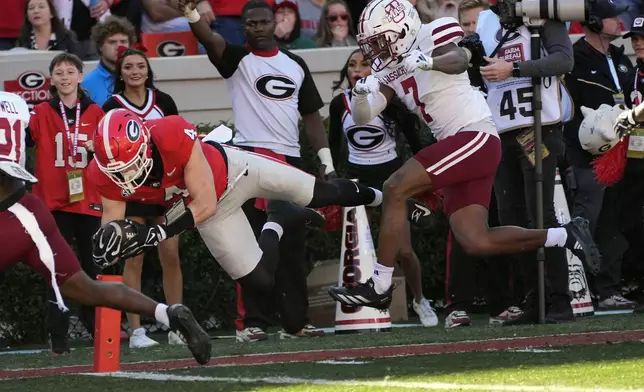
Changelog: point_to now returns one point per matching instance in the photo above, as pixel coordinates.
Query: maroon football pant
(18, 238)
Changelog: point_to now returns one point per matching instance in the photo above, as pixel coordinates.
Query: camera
(514, 13)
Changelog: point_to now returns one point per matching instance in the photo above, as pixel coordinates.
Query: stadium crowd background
(84, 27)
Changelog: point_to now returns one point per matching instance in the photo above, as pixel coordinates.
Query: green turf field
(601, 367)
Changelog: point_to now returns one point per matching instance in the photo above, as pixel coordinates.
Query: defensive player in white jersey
(425, 67)
(29, 234)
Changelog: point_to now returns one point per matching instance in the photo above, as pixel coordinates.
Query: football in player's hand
(109, 241)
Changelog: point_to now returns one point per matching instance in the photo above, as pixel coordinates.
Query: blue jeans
(229, 27)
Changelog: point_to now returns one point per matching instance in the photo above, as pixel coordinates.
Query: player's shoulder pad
(170, 132)
(444, 30)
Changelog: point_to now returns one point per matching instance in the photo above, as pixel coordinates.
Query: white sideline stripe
(355, 383)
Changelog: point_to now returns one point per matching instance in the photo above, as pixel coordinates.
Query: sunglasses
(333, 18)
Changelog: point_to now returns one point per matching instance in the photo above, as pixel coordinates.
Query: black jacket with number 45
(591, 84)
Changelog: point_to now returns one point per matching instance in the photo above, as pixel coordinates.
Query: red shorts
(462, 167)
(23, 247)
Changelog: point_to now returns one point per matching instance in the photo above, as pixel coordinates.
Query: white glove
(624, 123)
(417, 60)
(367, 85)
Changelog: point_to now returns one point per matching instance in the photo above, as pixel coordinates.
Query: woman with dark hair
(42, 29)
(335, 28)
(373, 158)
(59, 129)
(134, 90)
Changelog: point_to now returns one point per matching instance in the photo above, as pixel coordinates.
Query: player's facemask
(131, 175)
(378, 49)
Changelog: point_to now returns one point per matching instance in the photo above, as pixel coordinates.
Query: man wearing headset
(601, 73)
(507, 80)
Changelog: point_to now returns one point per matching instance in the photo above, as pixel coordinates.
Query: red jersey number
(10, 139)
(80, 160)
(409, 85)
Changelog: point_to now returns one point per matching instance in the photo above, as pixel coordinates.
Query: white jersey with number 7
(447, 103)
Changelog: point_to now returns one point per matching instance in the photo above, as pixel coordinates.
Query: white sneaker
(249, 335)
(424, 310)
(175, 339)
(140, 340)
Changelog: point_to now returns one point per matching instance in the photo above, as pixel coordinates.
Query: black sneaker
(290, 215)
(182, 321)
(581, 244)
(363, 294)
(59, 344)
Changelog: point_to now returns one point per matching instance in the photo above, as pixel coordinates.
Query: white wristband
(193, 16)
(325, 158)
(430, 61)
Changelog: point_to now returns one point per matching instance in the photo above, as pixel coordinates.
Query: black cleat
(183, 322)
(59, 344)
(291, 215)
(363, 294)
(581, 244)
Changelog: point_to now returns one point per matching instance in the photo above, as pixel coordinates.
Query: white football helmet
(387, 29)
(596, 132)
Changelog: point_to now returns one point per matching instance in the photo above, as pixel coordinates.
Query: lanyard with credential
(73, 144)
(613, 72)
(637, 93)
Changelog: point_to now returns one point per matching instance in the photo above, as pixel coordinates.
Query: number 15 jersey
(447, 103)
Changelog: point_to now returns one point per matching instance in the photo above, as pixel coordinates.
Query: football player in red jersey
(27, 224)
(58, 130)
(162, 161)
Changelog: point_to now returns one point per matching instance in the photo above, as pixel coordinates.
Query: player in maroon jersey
(27, 224)
(163, 161)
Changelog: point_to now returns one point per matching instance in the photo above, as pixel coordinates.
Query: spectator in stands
(134, 90)
(107, 37)
(601, 74)
(310, 12)
(58, 129)
(80, 17)
(424, 12)
(373, 159)
(10, 22)
(443, 8)
(225, 19)
(159, 16)
(468, 14)
(42, 29)
(287, 26)
(508, 81)
(335, 28)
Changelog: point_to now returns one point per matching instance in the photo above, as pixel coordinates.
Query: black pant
(514, 188)
(464, 278)
(77, 229)
(290, 300)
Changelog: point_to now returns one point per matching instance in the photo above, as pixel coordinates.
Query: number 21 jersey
(447, 103)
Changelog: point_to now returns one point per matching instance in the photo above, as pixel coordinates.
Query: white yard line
(355, 383)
